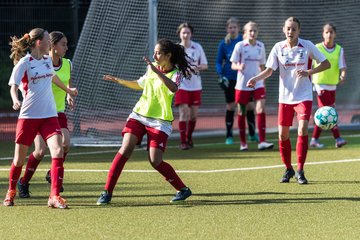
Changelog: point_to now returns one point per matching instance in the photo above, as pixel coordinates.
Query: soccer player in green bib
(152, 115)
(325, 82)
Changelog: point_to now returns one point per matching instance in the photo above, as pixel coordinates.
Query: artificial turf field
(236, 195)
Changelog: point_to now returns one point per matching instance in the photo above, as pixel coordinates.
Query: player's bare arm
(14, 96)
(72, 91)
(306, 73)
(263, 75)
(127, 83)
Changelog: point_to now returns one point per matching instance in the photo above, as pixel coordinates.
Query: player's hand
(224, 82)
(110, 78)
(251, 83)
(148, 62)
(302, 73)
(241, 66)
(71, 102)
(16, 105)
(73, 92)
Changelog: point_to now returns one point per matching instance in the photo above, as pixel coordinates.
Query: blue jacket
(224, 53)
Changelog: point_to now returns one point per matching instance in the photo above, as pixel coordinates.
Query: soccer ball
(326, 117)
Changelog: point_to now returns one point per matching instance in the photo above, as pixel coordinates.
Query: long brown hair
(232, 20)
(19, 46)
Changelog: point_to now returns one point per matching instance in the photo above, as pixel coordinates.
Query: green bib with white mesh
(331, 75)
(64, 73)
(156, 98)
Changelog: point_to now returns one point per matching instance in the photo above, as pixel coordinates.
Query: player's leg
(230, 111)
(261, 120)
(194, 109)
(285, 118)
(157, 145)
(242, 99)
(250, 119)
(132, 135)
(315, 140)
(303, 112)
(33, 162)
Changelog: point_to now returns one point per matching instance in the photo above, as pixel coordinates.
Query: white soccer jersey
(252, 57)
(342, 64)
(197, 54)
(293, 90)
(34, 78)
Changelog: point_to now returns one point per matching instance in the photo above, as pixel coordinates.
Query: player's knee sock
(301, 150)
(182, 130)
(250, 117)
(285, 152)
(116, 168)
(170, 175)
(190, 130)
(57, 175)
(335, 131)
(317, 132)
(30, 169)
(14, 176)
(229, 121)
(261, 122)
(242, 130)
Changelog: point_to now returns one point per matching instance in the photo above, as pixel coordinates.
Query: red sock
(116, 168)
(242, 130)
(170, 175)
(31, 166)
(261, 122)
(190, 130)
(285, 152)
(14, 176)
(335, 131)
(317, 132)
(301, 150)
(182, 130)
(57, 175)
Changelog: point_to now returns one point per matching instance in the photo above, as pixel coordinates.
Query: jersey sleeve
(18, 73)
(315, 53)
(342, 62)
(203, 59)
(219, 59)
(235, 56)
(272, 61)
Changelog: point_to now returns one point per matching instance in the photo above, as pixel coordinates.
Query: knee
(39, 153)
(283, 136)
(57, 151)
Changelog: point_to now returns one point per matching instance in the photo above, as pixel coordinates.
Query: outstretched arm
(306, 73)
(130, 84)
(72, 91)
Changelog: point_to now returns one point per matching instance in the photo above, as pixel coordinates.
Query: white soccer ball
(326, 117)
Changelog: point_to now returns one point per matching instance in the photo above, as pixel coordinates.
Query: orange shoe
(9, 199)
(57, 202)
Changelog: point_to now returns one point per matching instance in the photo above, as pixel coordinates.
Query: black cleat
(301, 177)
(23, 189)
(289, 173)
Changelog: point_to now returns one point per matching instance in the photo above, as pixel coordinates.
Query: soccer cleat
(243, 147)
(265, 145)
(301, 177)
(184, 146)
(315, 143)
(339, 142)
(253, 138)
(229, 141)
(181, 195)
(48, 179)
(23, 189)
(190, 143)
(105, 198)
(57, 202)
(289, 173)
(9, 199)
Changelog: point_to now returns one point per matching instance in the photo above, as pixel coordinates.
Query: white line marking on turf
(205, 171)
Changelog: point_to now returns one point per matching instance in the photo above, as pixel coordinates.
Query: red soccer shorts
(62, 120)
(287, 111)
(188, 97)
(155, 137)
(326, 98)
(26, 129)
(244, 97)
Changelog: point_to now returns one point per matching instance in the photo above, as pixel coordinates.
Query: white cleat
(314, 143)
(243, 147)
(265, 145)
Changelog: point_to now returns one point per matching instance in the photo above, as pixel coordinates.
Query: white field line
(137, 149)
(204, 171)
